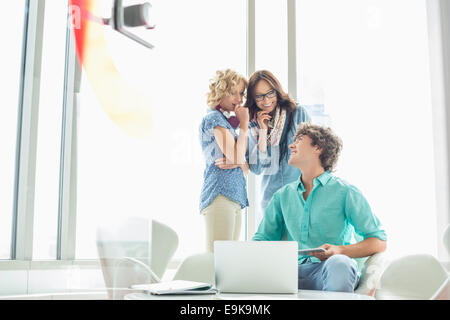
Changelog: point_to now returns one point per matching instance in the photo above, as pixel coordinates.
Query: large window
(157, 170)
(363, 67)
(271, 38)
(11, 31)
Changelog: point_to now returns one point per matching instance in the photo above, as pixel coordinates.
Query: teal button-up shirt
(333, 212)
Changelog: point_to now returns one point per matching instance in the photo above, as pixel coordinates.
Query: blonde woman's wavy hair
(224, 83)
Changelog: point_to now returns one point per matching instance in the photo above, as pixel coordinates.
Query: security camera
(132, 16)
(138, 16)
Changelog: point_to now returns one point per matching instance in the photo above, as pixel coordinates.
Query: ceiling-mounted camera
(130, 17)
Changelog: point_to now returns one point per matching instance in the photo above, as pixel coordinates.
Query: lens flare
(128, 108)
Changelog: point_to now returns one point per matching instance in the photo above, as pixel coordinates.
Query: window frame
(23, 206)
(67, 210)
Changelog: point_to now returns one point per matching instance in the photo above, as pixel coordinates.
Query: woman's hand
(245, 168)
(330, 250)
(243, 116)
(222, 164)
(263, 118)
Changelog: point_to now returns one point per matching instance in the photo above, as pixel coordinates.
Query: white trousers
(223, 221)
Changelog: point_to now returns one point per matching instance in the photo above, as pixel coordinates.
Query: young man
(321, 210)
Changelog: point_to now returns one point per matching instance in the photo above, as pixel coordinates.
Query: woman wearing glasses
(224, 136)
(274, 120)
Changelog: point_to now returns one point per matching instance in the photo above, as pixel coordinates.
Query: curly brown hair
(325, 139)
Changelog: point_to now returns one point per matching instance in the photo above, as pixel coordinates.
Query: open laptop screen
(256, 266)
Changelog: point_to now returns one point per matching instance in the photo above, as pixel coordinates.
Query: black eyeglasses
(260, 97)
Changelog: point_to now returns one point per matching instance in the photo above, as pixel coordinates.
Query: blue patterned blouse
(229, 183)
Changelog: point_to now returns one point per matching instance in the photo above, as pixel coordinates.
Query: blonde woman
(224, 136)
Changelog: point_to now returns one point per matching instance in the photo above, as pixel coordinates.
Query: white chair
(418, 276)
(372, 269)
(131, 252)
(197, 267)
(446, 239)
(164, 244)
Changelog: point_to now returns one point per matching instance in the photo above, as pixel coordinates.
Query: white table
(301, 295)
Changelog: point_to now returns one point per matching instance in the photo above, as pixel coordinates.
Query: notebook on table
(176, 287)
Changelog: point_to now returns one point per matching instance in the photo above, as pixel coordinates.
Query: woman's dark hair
(284, 102)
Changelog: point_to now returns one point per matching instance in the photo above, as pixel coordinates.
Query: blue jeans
(337, 273)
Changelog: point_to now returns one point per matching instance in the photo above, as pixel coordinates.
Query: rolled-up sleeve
(360, 215)
(272, 226)
(212, 120)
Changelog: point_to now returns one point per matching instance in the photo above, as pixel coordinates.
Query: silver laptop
(256, 266)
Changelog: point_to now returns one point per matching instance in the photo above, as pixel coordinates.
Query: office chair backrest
(164, 245)
(131, 251)
(117, 239)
